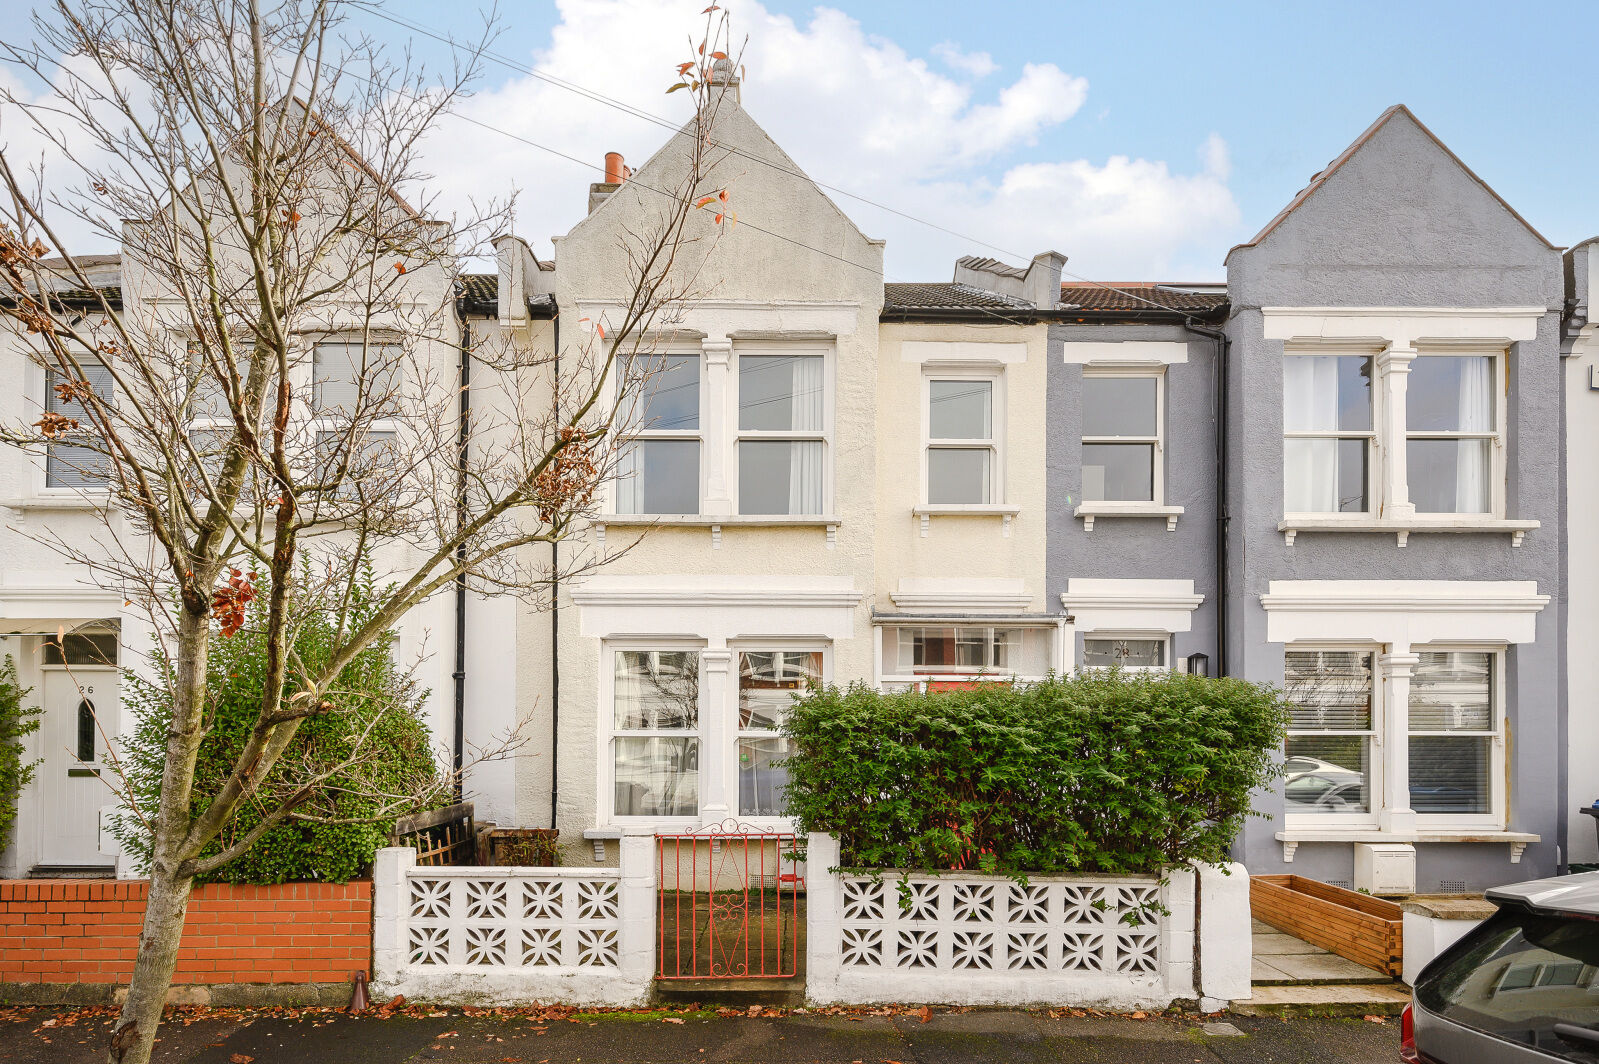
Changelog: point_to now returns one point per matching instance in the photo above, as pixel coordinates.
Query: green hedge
(377, 720)
(16, 721)
(1105, 772)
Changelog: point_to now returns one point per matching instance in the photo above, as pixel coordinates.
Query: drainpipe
(555, 618)
(460, 550)
(1223, 347)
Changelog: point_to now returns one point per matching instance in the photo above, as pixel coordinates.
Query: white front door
(80, 710)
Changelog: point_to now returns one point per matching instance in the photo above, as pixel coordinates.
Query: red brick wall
(87, 931)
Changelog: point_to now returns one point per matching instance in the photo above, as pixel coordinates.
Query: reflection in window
(960, 452)
(1449, 430)
(1452, 729)
(81, 648)
(1329, 732)
(780, 413)
(658, 470)
(1121, 435)
(768, 683)
(957, 649)
(86, 729)
(1105, 653)
(655, 701)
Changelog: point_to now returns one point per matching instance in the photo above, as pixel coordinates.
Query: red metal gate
(730, 904)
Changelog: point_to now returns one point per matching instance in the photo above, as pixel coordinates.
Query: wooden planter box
(1357, 926)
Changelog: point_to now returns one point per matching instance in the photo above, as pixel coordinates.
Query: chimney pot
(616, 170)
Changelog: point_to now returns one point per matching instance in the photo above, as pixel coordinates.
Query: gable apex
(1321, 178)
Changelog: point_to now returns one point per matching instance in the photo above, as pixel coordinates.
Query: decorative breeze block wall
(963, 938)
(513, 935)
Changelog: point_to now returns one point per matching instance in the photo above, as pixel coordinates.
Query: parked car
(1522, 986)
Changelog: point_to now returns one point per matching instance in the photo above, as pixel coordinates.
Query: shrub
(378, 713)
(1104, 772)
(16, 721)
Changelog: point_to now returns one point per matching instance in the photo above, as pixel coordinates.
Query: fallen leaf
(670, 1019)
(926, 1013)
(241, 1058)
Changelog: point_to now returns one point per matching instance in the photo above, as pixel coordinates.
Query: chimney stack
(616, 174)
(724, 77)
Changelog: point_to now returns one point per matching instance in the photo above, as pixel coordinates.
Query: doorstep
(1345, 999)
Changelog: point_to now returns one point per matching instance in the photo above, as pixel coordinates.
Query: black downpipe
(1223, 349)
(555, 618)
(460, 549)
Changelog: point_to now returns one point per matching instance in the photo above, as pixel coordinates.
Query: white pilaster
(1224, 947)
(1397, 667)
(823, 918)
(1393, 370)
(389, 868)
(720, 403)
(715, 734)
(636, 908)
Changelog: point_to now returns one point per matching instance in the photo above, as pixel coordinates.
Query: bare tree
(249, 160)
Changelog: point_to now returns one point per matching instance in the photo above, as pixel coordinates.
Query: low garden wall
(68, 931)
(486, 935)
(969, 939)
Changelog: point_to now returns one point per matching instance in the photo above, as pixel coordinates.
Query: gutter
(1223, 519)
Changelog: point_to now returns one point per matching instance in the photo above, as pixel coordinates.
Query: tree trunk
(164, 912)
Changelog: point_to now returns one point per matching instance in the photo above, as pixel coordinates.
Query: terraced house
(1339, 472)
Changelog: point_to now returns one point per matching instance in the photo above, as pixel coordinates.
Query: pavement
(836, 1036)
(1282, 958)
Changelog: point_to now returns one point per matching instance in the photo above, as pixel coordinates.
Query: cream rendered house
(835, 481)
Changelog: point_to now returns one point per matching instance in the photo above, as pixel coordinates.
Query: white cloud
(857, 112)
(977, 64)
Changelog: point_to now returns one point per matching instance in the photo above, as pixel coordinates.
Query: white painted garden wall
(473, 935)
(1055, 940)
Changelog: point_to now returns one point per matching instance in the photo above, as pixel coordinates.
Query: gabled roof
(1321, 178)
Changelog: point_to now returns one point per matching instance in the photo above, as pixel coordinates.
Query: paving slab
(1321, 968)
(1275, 942)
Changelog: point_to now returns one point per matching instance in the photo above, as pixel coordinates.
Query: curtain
(807, 403)
(1310, 403)
(804, 477)
(630, 479)
(1476, 415)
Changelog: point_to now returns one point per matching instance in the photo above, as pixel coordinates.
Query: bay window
(1122, 439)
(1330, 731)
(1328, 433)
(1451, 432)
(962, 448)
(781, 446)
(658, 470)
(655, 697)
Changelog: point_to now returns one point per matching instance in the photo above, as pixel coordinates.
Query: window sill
(58, 502)
(717, 523)
(1293, 524)
(985, 509)
(1088, 511)
(1517, 840)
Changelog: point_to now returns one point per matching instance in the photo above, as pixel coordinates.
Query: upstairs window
(354, 389)
(658, 470)
(1451, 432)
(781, 439)
(77, 466)
(1328, 433)
(1122, 444)
(962, 452)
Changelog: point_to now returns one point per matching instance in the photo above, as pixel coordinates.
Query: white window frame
(994, 445)
(1164, 638)
(824, 435)
(1376, 448)
(1386, 469)
(377, 426)
(1157, 441)
(1374, 732)
(1497, 461)
(609, 732)
(887, 651)
(1496, 817)
(734, 732)
(702, 435)
(39, 384)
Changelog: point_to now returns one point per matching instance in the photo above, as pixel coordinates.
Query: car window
(1516, 975)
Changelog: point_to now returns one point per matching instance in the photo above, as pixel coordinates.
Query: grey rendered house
(1390, 526)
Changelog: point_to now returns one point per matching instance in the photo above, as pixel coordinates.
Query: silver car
(1522, 986)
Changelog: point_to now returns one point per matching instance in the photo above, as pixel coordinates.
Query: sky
(1142, 140)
